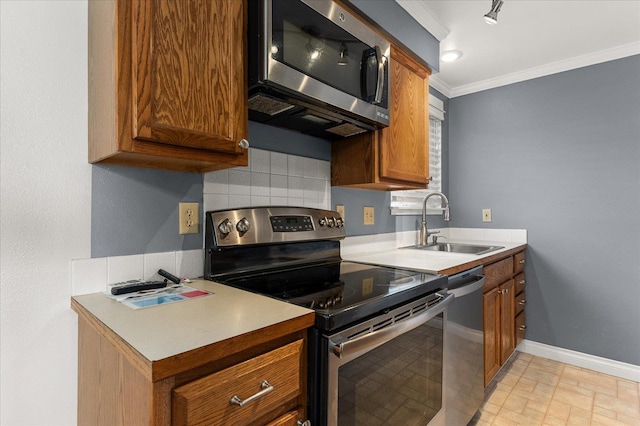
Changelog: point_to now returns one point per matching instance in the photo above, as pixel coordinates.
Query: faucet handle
(435, 238)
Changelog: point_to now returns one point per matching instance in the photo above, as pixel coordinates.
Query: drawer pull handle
(521, 261)
(523, 282)
(522, 302)
(523, 328)
(266, 388)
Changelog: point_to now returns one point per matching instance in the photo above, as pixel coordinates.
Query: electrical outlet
(368, 216)
(340, 210)
(188, 218)
(486, 215)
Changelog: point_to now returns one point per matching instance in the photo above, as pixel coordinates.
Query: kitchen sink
(457, 248)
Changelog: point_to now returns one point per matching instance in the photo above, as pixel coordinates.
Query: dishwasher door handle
(473, 285)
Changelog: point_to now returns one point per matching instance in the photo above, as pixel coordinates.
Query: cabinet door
(404, 145)
(507, 317)
(491, 303)
(190, 85)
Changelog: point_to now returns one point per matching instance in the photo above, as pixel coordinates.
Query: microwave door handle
(380, 84)
(345, 349)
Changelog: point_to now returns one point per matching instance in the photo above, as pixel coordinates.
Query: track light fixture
(492, 17)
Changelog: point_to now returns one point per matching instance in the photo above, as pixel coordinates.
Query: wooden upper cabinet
(404, 145)
(396, 157)
(167, 83)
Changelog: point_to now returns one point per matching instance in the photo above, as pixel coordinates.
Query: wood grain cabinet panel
(491, 302)
(521, 327)
(507, 318)
(167, 83)
(498, 272)
(518, 262)
(207, 400)
(521, 282)
(395, 157)
(504, 300)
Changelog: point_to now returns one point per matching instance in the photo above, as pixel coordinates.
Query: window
(410, 202)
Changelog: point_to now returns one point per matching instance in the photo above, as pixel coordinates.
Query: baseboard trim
(579, 359)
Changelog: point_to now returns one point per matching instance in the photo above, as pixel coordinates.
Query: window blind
(410, 202)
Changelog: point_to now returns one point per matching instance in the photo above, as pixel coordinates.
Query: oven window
(398, 383)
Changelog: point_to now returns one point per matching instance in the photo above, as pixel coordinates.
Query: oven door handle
(371, 340)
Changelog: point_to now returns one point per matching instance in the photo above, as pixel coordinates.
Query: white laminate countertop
(163, 331)
(428, 261)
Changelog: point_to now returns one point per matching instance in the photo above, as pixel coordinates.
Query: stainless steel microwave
(316, 68)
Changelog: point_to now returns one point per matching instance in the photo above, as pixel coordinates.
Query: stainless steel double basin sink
(457, 248)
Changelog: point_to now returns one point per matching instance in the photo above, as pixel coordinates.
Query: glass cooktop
(340, 292)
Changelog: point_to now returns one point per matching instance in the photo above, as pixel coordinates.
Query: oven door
(388, 370)
(317, 49)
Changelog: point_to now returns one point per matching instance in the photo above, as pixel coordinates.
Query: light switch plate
(486, 215)
(340, 210)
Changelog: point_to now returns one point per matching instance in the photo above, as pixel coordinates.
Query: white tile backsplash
(216, 183)
(88, 276)
(260, 184)
(271, 178)
(260, 161)
(93, 275)
(236, 201)
(189, 263)
(155, 261)
(278, 163)
(279, 186)
(215, 202)
(295, 186)
(239, 182)
(295, 165)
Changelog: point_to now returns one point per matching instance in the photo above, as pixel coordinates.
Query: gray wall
(396, 21)
(560, 156)
(136, 210)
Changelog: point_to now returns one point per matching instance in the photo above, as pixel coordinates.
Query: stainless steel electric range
(375, 352)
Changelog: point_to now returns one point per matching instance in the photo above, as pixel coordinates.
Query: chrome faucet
(424, 233)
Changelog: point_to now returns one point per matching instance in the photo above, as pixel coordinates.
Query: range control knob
(225, 227)
(243, 225)
(323, 221)
(339, 222)
(331, 222)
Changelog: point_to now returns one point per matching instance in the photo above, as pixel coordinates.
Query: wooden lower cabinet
(503, 301)
(118, 386)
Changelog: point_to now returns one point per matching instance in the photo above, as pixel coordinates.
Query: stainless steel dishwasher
(464, 346)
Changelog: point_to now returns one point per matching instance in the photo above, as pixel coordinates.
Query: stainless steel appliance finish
(316, 68)
(362, 311)
(392, 362)
(464, 344)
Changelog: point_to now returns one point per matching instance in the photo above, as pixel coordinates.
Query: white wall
(45, 205)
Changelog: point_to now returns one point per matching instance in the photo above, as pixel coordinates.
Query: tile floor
(530, 390)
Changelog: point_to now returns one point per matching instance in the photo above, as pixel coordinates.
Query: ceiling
(533, 38)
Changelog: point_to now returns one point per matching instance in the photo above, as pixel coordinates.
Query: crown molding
(423, 15)
(440, 85)
(544, 70)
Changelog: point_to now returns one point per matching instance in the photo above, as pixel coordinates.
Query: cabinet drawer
(518, 264)
(289, 419)
(520, 302)
(520, 283)
(520, 327)
(497, 273)
(208, 400)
